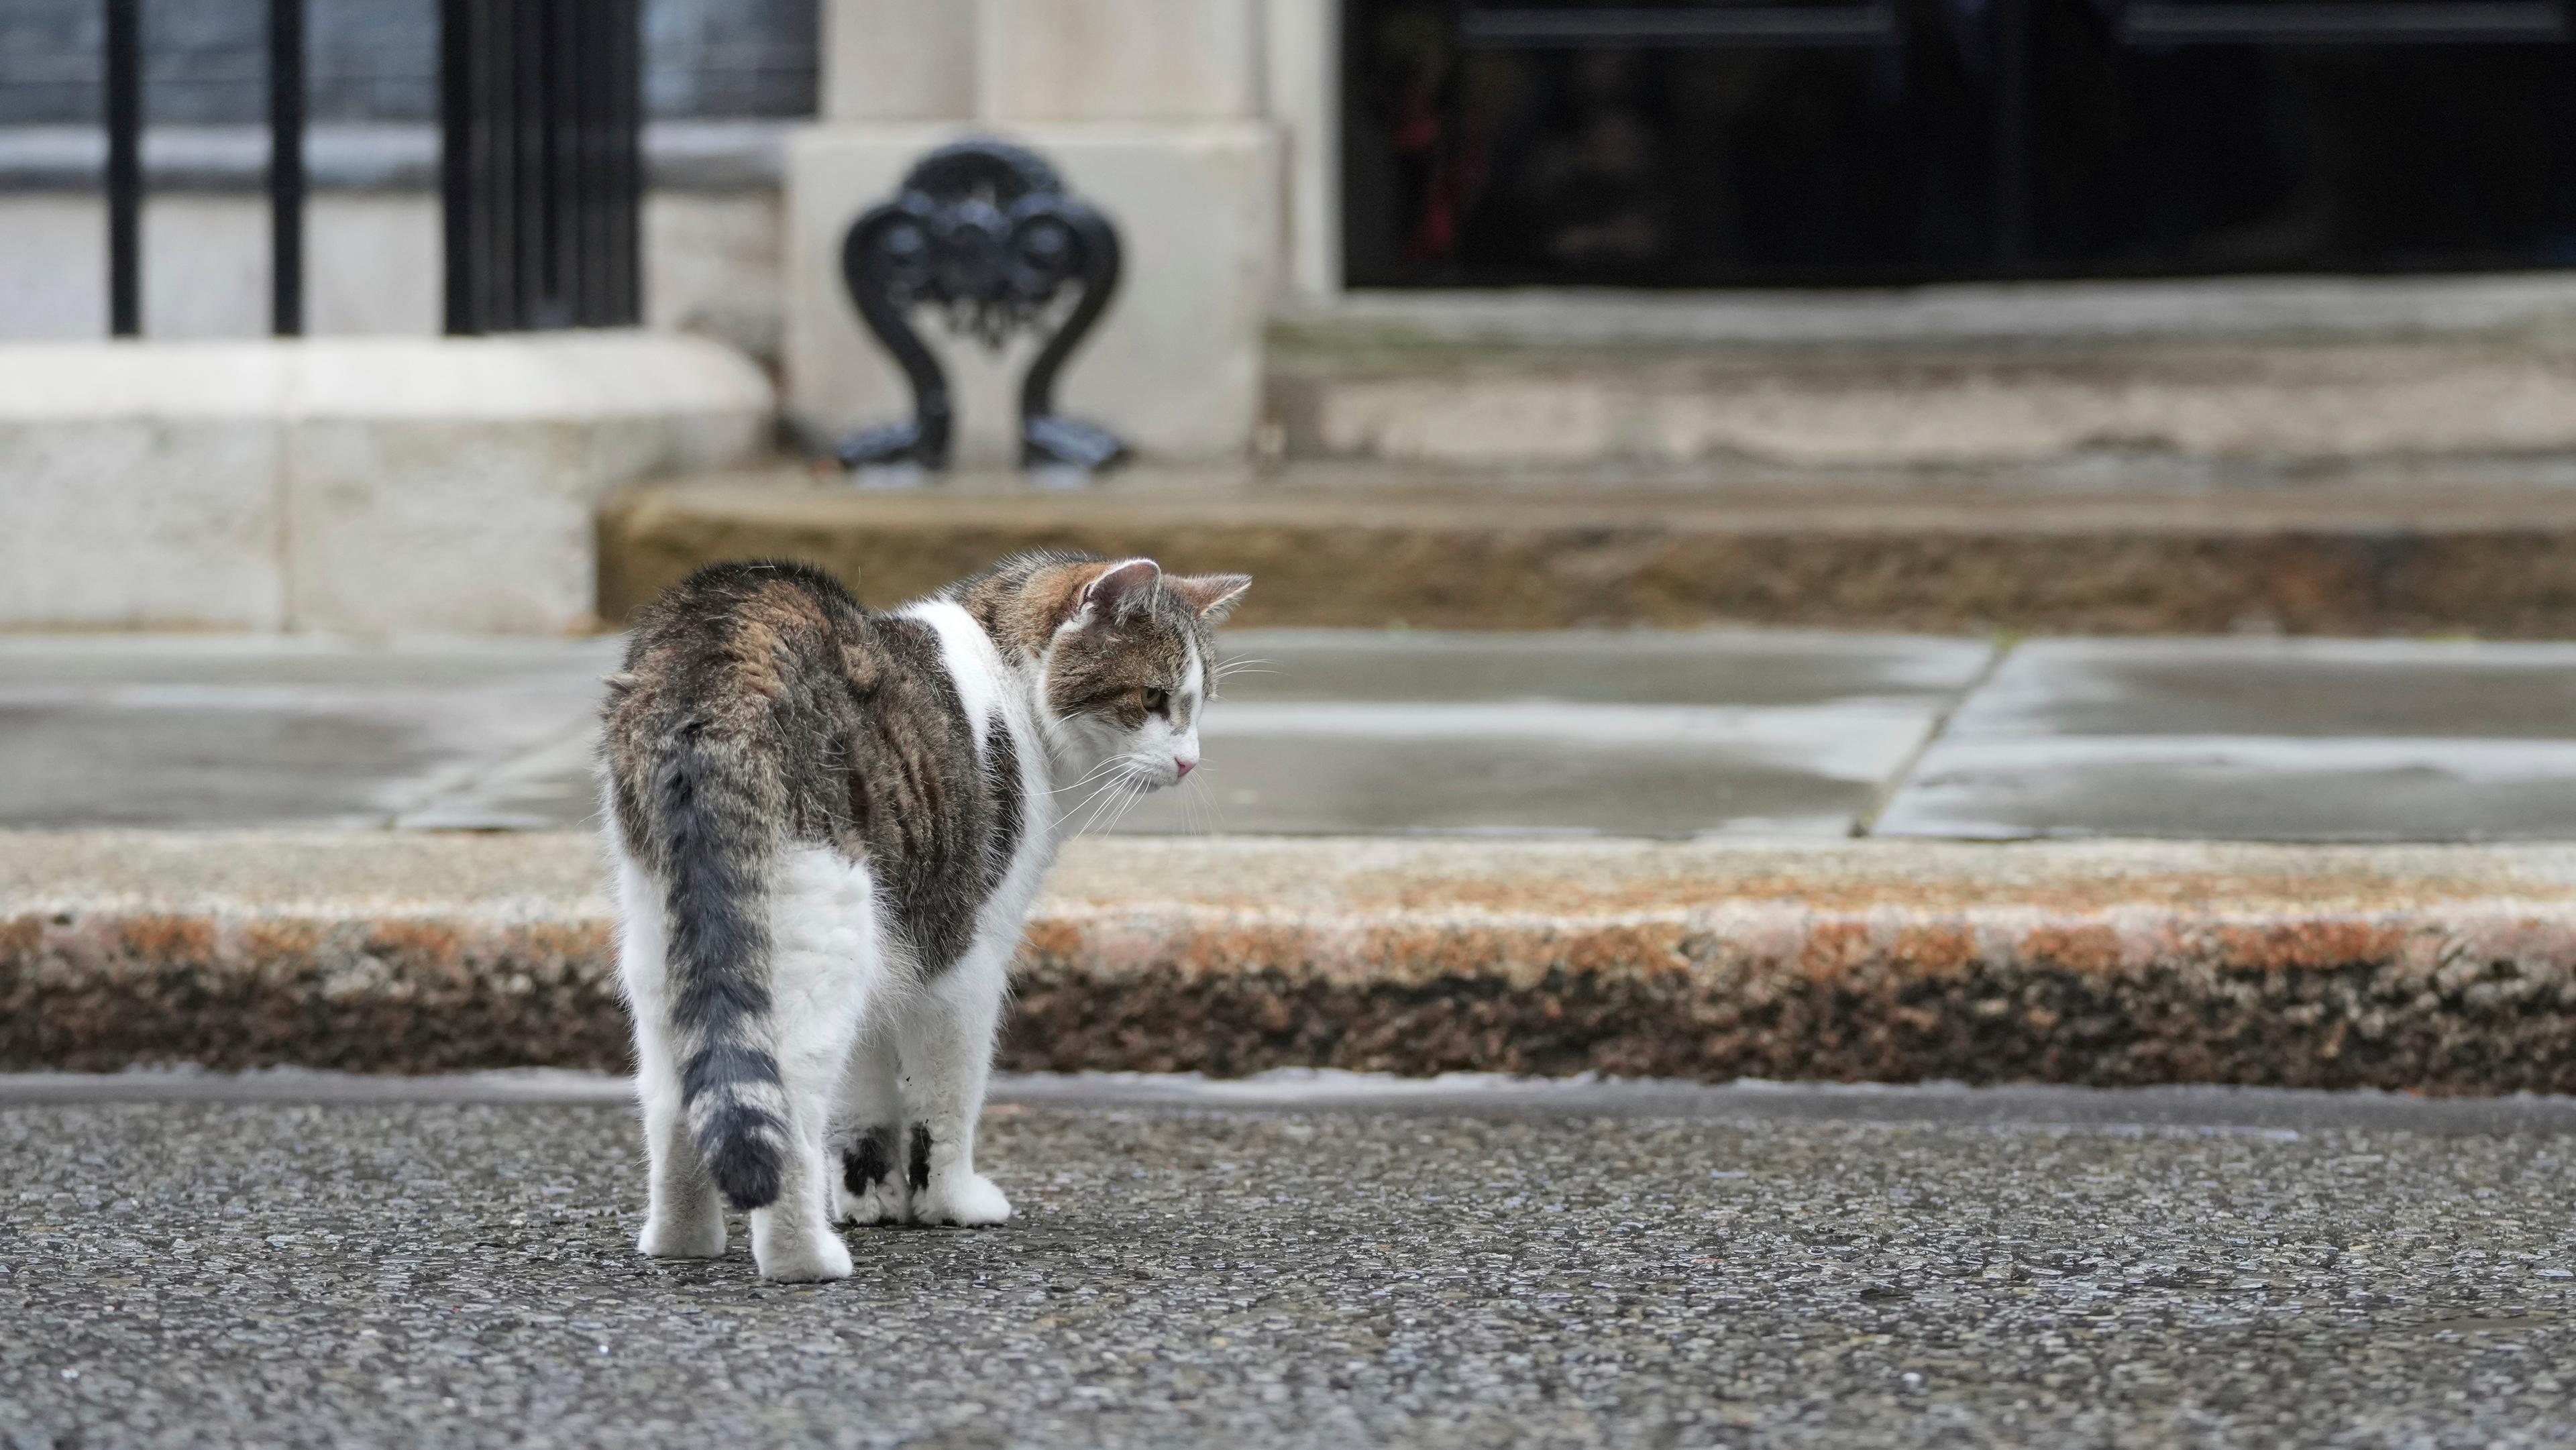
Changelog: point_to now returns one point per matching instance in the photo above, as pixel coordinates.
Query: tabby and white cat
(828, 824)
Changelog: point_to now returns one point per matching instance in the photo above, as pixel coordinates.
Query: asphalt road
(1641, 1273)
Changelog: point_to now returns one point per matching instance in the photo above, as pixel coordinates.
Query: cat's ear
(1212, 596)
(1117, 591)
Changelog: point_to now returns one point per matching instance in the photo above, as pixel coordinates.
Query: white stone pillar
(1120, 60)
(1151, 110)
(898, 60)
(1301, 76)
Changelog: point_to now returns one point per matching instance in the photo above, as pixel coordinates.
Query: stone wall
(359, 486)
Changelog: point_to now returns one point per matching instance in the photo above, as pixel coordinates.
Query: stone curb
(2442, 969)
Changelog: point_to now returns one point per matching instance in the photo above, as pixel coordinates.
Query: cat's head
(1130, 662)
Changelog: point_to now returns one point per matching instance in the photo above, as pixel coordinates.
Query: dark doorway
(1702, 143)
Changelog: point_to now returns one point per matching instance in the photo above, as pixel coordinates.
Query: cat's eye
(1156, 699)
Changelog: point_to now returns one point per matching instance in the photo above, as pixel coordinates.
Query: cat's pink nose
(1185, 766)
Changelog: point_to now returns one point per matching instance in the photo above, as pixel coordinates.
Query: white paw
(703, 1238)
(880, 1194)
(817, 1260)
(887, 1200)
(967, 1200)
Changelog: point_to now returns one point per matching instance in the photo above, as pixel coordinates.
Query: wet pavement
(1668, 734)
(2318, 740)
(268, 731)
(1906, 1268)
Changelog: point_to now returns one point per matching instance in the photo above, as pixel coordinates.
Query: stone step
(2440, 969)
(2438, 550)
(2213, 380)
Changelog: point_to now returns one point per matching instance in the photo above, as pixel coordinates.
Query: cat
(827, 824)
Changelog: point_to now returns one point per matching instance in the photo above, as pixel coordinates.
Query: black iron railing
(124, 167)
(541, 173)
(286, 167)
(541, 166)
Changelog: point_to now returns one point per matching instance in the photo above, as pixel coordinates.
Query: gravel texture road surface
(1897, 1270)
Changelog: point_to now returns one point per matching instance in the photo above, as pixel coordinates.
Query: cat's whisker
(1096, 772)
(1099, 811)
(1207, 794)
(1124, 761)
(1090, 809)
(1135, 793)
(1126, 777)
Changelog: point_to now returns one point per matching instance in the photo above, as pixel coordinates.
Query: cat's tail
(717, 846)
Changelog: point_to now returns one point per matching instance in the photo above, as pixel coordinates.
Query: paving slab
(1680, 734)
(1741, 668)
(271, 731)
(463, 1274)
(1689, 733)
(2326, 740)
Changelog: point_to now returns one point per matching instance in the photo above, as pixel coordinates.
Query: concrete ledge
(2438, 969)
(361, 485)
(2435, 553)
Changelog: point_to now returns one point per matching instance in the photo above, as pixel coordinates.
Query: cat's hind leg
(684, 1214)
(868, 1134)
(824, 968)
(946, 1046)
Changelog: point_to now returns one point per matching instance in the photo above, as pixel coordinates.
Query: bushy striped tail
(716, 849)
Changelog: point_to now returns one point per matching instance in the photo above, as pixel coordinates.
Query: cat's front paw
(960, 1200)
(793, 1249)
(816, 1261)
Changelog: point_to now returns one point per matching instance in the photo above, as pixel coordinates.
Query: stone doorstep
(2028, 402)
(2441, 969)
(2432, 553)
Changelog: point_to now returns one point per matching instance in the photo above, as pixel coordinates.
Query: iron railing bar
(503, 95)
(124, 65)
(623, 257)
(496, 163)
(541, 105)
(528, 115)
(563, 176)
(286, 167)
(457, 163)
(590, 155)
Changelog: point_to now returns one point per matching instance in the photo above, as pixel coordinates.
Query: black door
(1702, 143)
